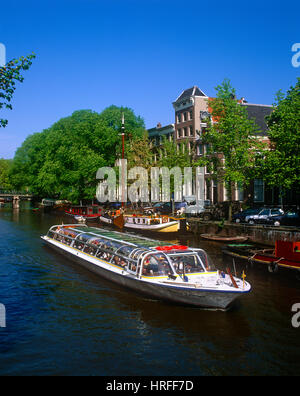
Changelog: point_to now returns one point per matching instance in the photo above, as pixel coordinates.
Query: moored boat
(143, 223)
(173, 273)
(88, 212)
(286, 254)
(224, 238)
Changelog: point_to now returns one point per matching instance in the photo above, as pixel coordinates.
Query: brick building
(190, 112)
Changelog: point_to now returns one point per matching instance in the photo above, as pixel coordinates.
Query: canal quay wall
(266, 235)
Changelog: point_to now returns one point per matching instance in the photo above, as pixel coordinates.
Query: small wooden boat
(178, 274)
(224, 238)
(143, 223)
(285, 255)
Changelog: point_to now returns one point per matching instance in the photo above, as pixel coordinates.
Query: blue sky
(141, 54)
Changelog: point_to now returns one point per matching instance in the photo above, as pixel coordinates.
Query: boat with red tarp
(88, 212)
(286, 254)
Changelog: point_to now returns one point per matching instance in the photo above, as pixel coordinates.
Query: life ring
(165, 219)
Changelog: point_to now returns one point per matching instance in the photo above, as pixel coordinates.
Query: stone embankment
(266, 235)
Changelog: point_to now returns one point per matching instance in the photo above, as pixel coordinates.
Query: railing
(5, 192)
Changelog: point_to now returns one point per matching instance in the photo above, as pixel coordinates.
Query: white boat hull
(171, 226)
(106, 220)
(187, 294)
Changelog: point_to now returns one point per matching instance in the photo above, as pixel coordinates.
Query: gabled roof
(194, 91)
(258, 113)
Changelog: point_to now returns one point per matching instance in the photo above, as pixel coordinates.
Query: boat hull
(221, 238)
(188, 295)
(172, 226)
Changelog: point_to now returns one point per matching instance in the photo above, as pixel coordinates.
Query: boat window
(205, 259)
(78, 244)
(137, 253)
(95, 242)
(90, 250)
(84, 237)
(126, 250)
(104, 255)
(156, 265)
(132, 266)
(187, 263)
(119, 261)
(110, 246)
(51, 234)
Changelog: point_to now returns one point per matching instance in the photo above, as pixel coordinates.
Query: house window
(185, 132)
(191, 131)
(178, 117)
(258, 190)
(240, 191)
(178, 133)
(199, 149)
(184, 116)
(191, 114)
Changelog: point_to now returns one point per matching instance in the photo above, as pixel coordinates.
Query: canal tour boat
(143, 223)
(178, 274)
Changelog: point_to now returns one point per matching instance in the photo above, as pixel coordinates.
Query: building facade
(191, 109)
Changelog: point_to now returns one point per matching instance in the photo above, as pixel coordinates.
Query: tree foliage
(5, 166)
(231, 138)
(282, 162)
(62, 161)
(9, 75)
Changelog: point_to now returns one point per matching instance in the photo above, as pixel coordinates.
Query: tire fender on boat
(273, 267)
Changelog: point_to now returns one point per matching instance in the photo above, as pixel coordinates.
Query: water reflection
(62, 319)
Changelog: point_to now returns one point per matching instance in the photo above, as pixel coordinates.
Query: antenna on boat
(233, 262)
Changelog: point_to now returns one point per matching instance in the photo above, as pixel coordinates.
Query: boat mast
(123, 157)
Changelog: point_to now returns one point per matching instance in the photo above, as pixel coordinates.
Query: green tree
(62, 161)
(5, 166)
(282, 161)
(108, 131)
(232, 139)
(171, 155)
(9, 75)
(139, 152)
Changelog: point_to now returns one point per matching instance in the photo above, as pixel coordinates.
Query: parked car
(241, 216)
(265, 213)
(291, 218)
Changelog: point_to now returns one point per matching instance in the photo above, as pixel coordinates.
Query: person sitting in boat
(123, 263)
(117, 261)
(150, 266)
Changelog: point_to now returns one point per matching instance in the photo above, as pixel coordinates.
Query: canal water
(63, 320)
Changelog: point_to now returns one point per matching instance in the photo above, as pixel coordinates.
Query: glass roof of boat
(128, 239)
